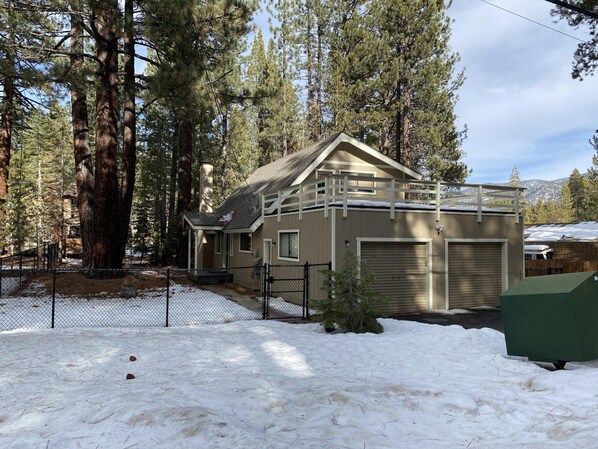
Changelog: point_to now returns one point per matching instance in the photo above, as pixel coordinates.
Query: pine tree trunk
(81, 145)
(224, 155)
(184, 182)
(130, 137)
(6, 124)
(106, 252)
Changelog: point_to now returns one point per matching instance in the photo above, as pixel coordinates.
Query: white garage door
(475, 274)
(401, 274)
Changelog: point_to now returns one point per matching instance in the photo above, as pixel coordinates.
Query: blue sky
(519, 102)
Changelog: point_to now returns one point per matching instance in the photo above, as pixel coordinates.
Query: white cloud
(519, 101)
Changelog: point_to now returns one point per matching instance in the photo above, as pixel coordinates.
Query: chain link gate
(287, 290)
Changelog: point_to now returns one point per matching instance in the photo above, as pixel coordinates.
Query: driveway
(469, 319)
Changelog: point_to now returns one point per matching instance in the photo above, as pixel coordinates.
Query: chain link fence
(66, 298)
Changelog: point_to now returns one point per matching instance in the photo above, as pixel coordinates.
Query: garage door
(401, 274)
(475, 274)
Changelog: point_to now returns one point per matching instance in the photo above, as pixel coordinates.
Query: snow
(266, 384)
(583, 231)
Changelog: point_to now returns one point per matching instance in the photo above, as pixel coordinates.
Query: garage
(401, 270)
(475, 273)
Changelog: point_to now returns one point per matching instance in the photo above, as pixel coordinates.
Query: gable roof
(244, 203)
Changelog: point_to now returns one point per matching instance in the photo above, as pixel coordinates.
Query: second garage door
(474, 274)
(401, 270)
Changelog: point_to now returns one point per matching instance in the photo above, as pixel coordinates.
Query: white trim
(230, 245)
(428, 243)
(387, 210)
(202, 228)
(342, 137)
(355, 189)
(289, 231)
(189, 251)
(264, 251)
(326, 165)
(251, 239)
(333, 240)
(216, 249)
(504, 261)
(254, 226)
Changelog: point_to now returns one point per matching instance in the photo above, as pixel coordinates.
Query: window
(245, 242)
(361, 185)
(528, 256)
(288, 245)
(321, 174)
(218, 243)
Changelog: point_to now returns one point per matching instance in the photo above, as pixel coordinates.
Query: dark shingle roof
(244, 203)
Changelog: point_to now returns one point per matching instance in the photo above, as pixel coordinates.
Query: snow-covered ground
(265, 384)
(187, 306)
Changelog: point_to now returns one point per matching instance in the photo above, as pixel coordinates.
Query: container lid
(556, 283)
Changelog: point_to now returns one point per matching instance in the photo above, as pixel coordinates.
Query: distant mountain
(538, 189)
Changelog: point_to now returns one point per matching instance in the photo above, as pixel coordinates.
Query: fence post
(306, 290)
(53, 297)
(167, 294)
(264, 291)
(1, 273)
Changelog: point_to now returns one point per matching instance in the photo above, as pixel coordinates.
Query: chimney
(206, 190)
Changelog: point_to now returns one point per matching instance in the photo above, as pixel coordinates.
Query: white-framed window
(245, 242)
(361, 185)
(321, 174)
(288, 245)
(218, 242)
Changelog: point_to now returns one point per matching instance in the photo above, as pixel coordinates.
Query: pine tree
(26, 31)
(586, 56)
(578, 188)
(393, 83)
(515, 178)
(351, 299)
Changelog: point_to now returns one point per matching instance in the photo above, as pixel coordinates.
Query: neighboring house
(574, 242)
(431, 245)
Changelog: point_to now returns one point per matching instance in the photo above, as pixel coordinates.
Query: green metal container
(552, 318)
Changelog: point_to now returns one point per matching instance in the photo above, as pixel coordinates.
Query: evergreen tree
(578, 188)
(393, 84)
(515, 178)
(586, 56)
(26, 30)
(351, 299)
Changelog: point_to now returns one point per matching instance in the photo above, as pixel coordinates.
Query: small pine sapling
(350, 301)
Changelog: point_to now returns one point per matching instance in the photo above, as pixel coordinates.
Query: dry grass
(76, 284)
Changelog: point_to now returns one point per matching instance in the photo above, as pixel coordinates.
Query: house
(431, 245)
(573, 242)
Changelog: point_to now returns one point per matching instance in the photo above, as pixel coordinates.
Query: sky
(519, 102)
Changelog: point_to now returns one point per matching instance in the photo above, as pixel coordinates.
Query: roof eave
(342, 137)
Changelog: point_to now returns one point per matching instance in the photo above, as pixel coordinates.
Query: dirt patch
(76, 284)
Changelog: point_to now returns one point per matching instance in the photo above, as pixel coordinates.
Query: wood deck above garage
(392, 194)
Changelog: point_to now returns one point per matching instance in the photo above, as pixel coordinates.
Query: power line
(533, 21)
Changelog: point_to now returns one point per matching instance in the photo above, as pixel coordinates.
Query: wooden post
(392, 198)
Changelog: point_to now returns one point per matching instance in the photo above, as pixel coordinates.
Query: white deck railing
(392, 194)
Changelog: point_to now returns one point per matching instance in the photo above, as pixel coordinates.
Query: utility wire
(533, 21)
